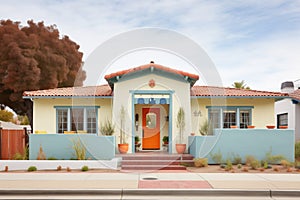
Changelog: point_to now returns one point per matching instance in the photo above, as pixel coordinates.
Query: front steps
(150, 161)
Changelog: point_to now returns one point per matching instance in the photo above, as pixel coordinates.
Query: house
(288, 110)
(151, 96)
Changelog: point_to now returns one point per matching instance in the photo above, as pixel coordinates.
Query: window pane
(91, 121)
(282, 119)
(62, 118)
(244, 118)
(151, 120)
(214, 118)
(77, 115)
(229, 118)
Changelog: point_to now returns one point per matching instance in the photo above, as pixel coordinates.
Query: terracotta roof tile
(142, 67)
(222, 91)
(102, 90)
(295, 94)
(203, 91)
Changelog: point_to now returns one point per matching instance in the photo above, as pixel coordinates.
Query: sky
(252, 40)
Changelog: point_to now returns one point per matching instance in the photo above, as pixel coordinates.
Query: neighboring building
(151, 95)
(288, 110)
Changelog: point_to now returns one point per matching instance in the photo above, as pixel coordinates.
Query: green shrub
(22, 156)
(273, 159)
(107, 128)
(285, 163)
(200, 162)
(217, 157)
(228, 165)
(239, 166)
(79, 149)
(32, 168)
(52, 158)
(237, 159)
(249, 159)
(265, 164)
(85, 168)
(297, 150)
(254, 164)
(297, 165)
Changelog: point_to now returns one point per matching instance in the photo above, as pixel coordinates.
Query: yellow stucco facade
(44, 111)
(262, 111)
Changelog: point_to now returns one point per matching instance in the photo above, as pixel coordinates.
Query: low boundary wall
(237, 142)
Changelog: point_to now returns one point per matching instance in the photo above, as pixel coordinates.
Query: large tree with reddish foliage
(35, 57)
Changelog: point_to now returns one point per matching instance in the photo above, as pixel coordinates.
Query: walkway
(159, 185)
(162, 180)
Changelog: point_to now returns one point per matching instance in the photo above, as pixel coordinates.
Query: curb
(155, 192)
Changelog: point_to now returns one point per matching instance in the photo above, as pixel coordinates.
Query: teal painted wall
(60, 146)
(255, 142)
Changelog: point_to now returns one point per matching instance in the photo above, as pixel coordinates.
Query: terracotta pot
(180, 148)
(233, 126)
(283, 127)
(123, 148)
(192, 134)
(250, 126)
(270, 126)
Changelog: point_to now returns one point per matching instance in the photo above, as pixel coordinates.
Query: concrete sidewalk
(166, 180)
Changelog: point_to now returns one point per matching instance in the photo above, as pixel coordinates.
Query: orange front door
(151, 128)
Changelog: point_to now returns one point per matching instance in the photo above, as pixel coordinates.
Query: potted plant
(180, 123)
(122, 146)
(107, 128)
(165, 139)
(136, 139)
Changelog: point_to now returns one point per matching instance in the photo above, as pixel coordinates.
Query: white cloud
(248, 40)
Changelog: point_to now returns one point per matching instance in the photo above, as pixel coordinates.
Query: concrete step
(157, 162)
(153, 167)
(152, 161)
(157, 157)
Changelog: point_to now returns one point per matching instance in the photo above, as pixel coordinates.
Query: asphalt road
(150, 194)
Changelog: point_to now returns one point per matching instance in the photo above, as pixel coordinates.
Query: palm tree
(240, 85)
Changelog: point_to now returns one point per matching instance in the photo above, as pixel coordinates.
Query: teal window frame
(236, 109)
(85, 118)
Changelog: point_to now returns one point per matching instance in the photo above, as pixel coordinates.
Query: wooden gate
(12, 142)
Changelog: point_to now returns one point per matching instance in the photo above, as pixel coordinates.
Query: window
(62, 120)
(229, 118)
(214, 118)
(151, 120)
(244, 118)
(282, 120)
(224, 117)
(77, 119)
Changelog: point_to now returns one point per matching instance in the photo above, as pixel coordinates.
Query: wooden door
(151, 128)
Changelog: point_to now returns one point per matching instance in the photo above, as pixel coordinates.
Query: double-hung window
(226, 116)
(282, 120)
(78, 119)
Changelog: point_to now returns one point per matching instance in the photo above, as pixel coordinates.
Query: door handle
(142, 133)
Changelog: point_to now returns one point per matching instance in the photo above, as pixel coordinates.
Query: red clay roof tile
(295, 94)
(101, 90)
(105, 90)
(222, 91)
(157, 66)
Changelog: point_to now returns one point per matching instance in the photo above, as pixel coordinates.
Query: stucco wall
(236, 142)
(262, 113)
(286, 106)
(44, 112)
(181, 98)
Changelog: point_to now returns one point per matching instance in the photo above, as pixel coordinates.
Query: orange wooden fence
(12, 142)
